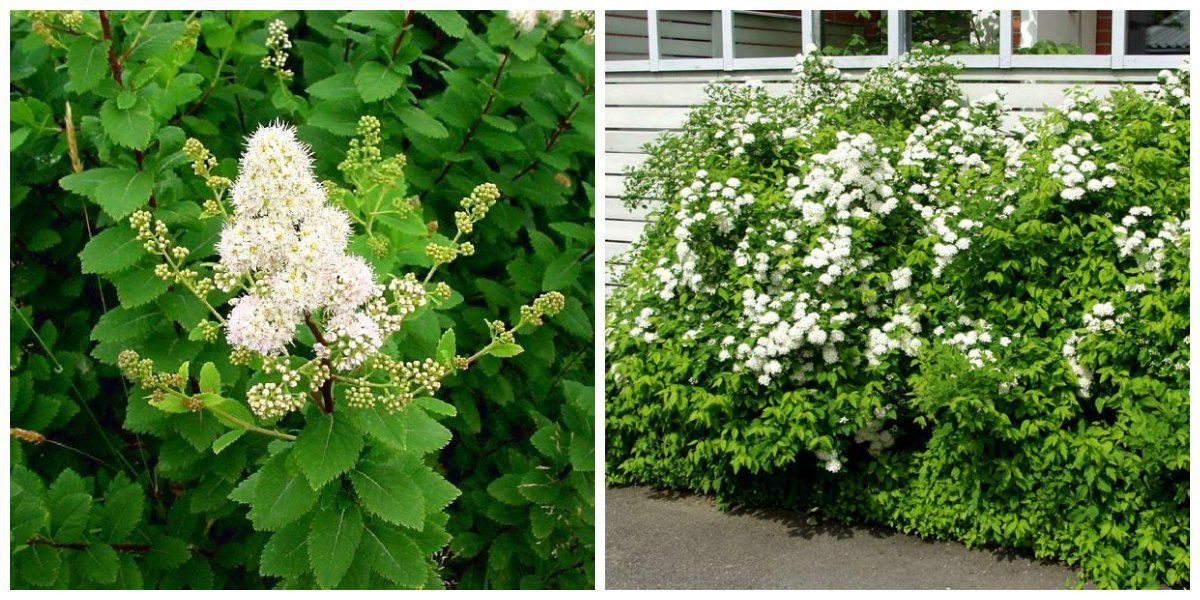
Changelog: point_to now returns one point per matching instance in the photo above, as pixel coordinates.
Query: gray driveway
(662, 540)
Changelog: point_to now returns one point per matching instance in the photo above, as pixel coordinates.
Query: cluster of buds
(278, 45)
(270, 400)
(203, 162)
(546, 305)
(405, 381)
(364, 163)
(141, 371)
(45, 22)
(207, 330)
(153, 234)
(500, 331)
(475, 207)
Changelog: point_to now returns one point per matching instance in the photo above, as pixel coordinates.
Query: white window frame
(899, 40)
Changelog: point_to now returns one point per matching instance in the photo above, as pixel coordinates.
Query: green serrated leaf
(131, 127)
(333, 538)
(87, 63)
(390, 494)
(279, 497)
(446, 347)
(448, 21)
(138, 286)
(286, 553)
(420, 122)
(393, 554)
(376, 82)
(327, 447)
(112, 250)
(505, 349)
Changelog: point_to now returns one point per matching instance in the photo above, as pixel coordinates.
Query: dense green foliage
(874, 300)
(491, 486)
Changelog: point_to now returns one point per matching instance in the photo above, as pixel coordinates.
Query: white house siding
(640, 106)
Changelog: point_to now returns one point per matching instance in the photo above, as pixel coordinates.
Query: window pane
(689, 34)
(625, 35)
(853, 32)
(965, 31)
(763, 33)
(1062, 31)
(1158, 32)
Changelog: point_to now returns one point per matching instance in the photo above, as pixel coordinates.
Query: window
(729, 40)
(1158, 32)
(964, 31)
(626, 35)
(853, 32)
(767, 33)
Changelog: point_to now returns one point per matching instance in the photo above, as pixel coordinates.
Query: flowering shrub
(875, 299)
(275, 240)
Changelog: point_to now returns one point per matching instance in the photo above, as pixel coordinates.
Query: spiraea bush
(301, 299)
(878, 299)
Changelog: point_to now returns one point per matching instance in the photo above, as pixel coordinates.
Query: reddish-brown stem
(84, 545)
(479, 119)
(326, 403)
(114, 63)
(563, 124)
(400, 36)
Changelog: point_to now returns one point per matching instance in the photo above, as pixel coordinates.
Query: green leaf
(131, 127)
(210, 379)
(138, 286)
(504, 489)
(393, 554)
(120, 324)
(286, 553)
(506, 349)
(336, 88)
(390, 493)
(98, 563)
(39, 565)
(446, 348)
(112, 250)
(420, 122)
(279, 497)
(122, 511)
(327, 447)
(448, 21)
(333, 538)
(87, 63)
(424, 433)
(376, 82)
(226, 439)
(390, 429)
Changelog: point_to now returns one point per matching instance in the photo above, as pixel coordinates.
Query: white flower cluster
(899, 333)
(1149, 252)
(526, 20)
(972, 338)
(874, 434)
(1078, 173)
(290, 245)
(830, 461)
(704, 207)
(1103, 318)
(1083, 375)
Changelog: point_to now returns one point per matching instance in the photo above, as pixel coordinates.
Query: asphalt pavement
(665, 540)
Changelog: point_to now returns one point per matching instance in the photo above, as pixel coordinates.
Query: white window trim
(897, 45)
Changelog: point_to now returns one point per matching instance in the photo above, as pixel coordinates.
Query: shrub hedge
(877, 299)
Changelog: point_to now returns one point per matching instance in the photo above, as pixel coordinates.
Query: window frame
(899, 40)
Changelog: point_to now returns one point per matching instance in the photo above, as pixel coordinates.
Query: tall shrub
(879, 299)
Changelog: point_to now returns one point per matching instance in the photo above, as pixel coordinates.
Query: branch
(326, 388)
(486, 105)
(400, 36)
(114, 64)
(562, 126)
